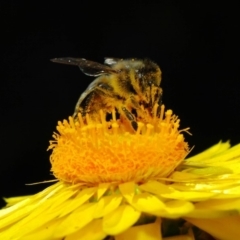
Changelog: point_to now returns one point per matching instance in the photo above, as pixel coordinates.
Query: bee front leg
(134, 103)
(159, 100)
(84, 104)
(130, 117)
(156, 98)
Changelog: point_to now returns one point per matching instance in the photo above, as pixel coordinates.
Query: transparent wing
(90, 68)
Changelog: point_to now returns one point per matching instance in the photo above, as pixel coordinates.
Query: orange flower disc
(104, 151)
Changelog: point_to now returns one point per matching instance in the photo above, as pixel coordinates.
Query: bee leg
(131, 118)
(159, 101)
(83, 106)
(135, 104)
(156, 93)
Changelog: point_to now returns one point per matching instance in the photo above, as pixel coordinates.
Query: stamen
(163, 128)
(65, 123)
(71, 122)
(162, 112)
(168, 115)
(115, 127)
(175, 127)
(114, 115)
(80, 119)
(60, 123)
(139, 129)
(155, 108)
(149, 129)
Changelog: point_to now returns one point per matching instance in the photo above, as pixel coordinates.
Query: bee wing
(90, 68)
(111, 61)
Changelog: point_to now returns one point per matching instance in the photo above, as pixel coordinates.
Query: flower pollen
(93, 152)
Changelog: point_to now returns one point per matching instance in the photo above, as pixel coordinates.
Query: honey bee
(126, 85)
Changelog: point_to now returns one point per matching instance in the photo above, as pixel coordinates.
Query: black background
(196, 46)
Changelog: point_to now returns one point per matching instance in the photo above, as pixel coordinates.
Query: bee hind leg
(131, 118)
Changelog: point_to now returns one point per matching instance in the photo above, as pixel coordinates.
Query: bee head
(150, 73)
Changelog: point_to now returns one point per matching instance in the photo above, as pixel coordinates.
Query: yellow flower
(113, 182)
(217, 171)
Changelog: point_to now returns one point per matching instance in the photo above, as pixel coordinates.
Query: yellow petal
(59, 199)
(50, 191)
(74, 203)
(151, 231)
(106, 205)
(223, 186)
(9, 216)
(127, 190)
(209, 171)
(230, 192)
(102, 188)
(120, 220)
(44, 212)
(221, 160)
(76, 220)
(216, 208)
(212, 151)
(226, 228)
(32, 208)
(155, 187)
(45, 232)
(208, 213)
(189, 196)
(92, 231)
(33, 221)
(146, 202)
(224, 157)
(175, 209)
(14, 200)
(32, 200)
(220, 204)
(178, 176)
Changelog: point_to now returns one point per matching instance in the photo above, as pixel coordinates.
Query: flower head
(116, 182)
(104, 152)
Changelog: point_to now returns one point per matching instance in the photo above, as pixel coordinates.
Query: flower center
(105, 151)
